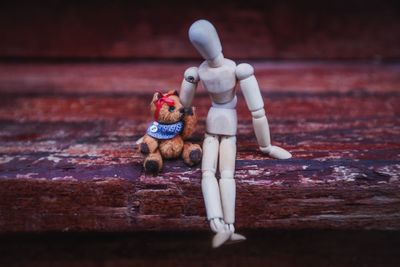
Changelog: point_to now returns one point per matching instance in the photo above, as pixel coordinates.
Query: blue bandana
(164, 131)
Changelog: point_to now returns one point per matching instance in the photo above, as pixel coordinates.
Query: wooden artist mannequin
(219, 77)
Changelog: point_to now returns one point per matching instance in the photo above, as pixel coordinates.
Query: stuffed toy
(166, 137)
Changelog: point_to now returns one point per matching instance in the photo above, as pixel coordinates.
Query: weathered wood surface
(312, 29)
(114, 78)
(67, 157)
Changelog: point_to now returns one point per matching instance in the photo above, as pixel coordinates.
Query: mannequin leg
(227, 158)
(211, 192)
(209, 184)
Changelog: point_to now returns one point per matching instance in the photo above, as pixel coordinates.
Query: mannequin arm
(188, 87)
(255, 103)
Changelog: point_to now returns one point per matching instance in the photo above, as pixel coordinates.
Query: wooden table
(68, 160)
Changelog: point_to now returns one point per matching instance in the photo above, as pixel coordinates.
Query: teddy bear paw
(192, 154)
(189, 111)
(144, 148)
(195, 156)
(152, 166)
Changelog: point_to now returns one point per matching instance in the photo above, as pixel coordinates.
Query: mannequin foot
(220, 238)
(276, 152)
(234, 238)
(225, 233)
(219, 227)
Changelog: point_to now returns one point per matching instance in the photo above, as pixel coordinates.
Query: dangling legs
(210, 188)
(227, 158)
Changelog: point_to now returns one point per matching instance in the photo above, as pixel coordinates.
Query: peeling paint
(5, 159)
(65, 178)
(345, 174)
(53, 158)
(392, 171)
(26, 175)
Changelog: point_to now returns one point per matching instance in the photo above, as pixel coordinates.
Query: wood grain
(146, 77)
(68, 160)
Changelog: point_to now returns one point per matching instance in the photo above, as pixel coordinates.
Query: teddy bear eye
(171, 108)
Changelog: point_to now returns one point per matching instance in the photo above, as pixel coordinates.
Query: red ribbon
(163, 99)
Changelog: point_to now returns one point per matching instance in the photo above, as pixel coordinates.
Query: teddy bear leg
(153, 162)
(171, 148)
(148, 145)
(192, 154)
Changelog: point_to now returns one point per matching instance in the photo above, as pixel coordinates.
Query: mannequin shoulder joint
(244, 71)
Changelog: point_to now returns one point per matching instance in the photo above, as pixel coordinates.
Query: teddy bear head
(167, 108)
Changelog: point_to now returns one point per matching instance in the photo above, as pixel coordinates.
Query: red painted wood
(68, 162)
(292, 29)
(114, 78)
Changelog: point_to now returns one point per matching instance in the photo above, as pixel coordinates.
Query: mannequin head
(204, 38)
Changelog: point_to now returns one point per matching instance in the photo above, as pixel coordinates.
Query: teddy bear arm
(190, 122)
(149, 145)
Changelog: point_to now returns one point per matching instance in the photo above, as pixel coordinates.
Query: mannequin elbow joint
(191, 75)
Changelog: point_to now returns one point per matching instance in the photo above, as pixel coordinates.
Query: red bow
(163, 99)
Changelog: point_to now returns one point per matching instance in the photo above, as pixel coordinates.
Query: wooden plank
(125, 78)
(292, 29)
(67, 162)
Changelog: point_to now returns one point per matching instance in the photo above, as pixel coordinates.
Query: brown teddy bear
(165, 137)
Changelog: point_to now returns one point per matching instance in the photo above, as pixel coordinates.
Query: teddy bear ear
(156, 96)
(173, 92)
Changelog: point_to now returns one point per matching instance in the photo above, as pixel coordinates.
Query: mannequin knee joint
(208, 175)
(227, 174)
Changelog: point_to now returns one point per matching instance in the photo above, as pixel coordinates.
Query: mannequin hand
(276, 152)
(188, 111)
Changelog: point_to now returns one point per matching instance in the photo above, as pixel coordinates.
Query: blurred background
(249, 29)
(71, 70)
